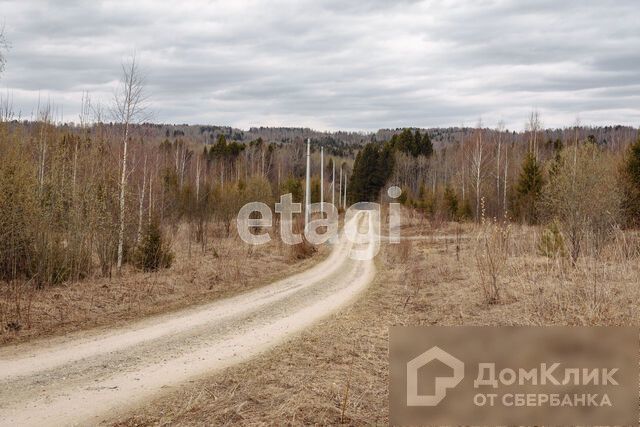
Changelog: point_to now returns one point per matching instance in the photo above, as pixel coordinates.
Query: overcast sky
(334, 64)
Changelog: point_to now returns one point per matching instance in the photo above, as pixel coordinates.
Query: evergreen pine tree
(371, 170)
(293, 186)
(417, 144)
(153, 253)
(414, 144)
(406, 142)
(426, 147)
(529, 190)
(451, 203)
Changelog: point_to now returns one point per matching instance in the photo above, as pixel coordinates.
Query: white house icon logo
(442, 383)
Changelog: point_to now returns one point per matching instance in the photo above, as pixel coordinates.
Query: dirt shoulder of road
(336, 372)
(226, 268)
(333, 373)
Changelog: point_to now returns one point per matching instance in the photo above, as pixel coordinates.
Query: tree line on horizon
(93, 197)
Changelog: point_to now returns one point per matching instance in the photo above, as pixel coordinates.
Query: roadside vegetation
(336, 373)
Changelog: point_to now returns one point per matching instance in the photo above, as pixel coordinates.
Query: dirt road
(89, 377)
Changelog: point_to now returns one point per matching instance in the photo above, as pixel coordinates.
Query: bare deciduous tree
(506, 171)
(141, 200)
(129, 107)
(85, 114)
(478, 165)
(534, 125)
(583, 198)
(500, 131)
(3, 47)
(6, 108)
(44, 122)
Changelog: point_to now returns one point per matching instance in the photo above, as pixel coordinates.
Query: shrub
(154, 252)
(303, 249)
(492, 253)
(452, 204)
(630, 184)
(582, 196)
(293, 186)
(552, 244)
(465, 213)
(19, 214)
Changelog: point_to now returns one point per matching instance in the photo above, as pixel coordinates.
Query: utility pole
(307, 191)
(321, 180)
(345, 191)
(340, 188)
(333, 183)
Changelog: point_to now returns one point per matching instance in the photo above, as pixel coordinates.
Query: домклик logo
(442, 383)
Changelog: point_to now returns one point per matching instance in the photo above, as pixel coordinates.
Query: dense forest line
(60, 187)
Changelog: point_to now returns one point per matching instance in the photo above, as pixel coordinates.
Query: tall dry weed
(491, 255)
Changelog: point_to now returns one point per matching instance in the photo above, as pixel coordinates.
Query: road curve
(90, 377)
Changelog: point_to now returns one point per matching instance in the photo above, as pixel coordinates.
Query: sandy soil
(92, 377)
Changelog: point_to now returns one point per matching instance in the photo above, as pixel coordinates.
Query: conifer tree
(451, 202)
(371, 170)
(528, 190)
(414, 144)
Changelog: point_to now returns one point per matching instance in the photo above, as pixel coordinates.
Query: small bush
(302, 250)
(492, 253)
(582, 196)
(452, 204)
(18, 216)
(552, 244)
(154, 252)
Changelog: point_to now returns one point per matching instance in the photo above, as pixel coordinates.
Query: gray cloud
(332, 64)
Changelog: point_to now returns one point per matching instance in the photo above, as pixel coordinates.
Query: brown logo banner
(468, 375)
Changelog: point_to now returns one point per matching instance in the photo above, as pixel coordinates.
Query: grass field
(336, 372)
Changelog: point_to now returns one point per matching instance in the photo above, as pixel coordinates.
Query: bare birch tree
(44, 120)
(478, 165)
(6, 108)
(506, 170)
(534, 126)
(500, 131)
(141, 200)
(463, 161)
(85, 114)
(3, 47)
(129, 107)
(576, 141)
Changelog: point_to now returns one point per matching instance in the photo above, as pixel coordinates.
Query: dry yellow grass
(227, 267)
(336, 372)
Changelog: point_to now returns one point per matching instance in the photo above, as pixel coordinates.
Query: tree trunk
(506, 169)
(498, 171)
(141, 204)
(123, 182)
